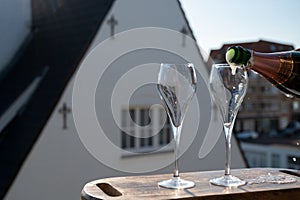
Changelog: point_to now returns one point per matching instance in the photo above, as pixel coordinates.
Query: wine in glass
(228, 90)
(176, 87)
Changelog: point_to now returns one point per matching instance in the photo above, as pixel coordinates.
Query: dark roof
(60, 37)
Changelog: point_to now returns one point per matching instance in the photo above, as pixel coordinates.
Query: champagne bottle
(282, 69)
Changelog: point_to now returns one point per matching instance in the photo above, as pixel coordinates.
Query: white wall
(15, 22)
(59, 165)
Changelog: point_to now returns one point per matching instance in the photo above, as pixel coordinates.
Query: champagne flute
(176, 87)
(228, 90)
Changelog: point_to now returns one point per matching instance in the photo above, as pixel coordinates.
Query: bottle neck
(275, 66)
(263, 62)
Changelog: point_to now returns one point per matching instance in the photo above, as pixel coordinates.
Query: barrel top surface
(146, 187)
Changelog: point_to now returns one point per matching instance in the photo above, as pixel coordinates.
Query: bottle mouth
(229, 55)
(237, 55)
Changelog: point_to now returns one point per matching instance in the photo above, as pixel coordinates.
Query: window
(274, 90)
(248, 106)
(137, 133)
(256, 159)
(295, 105)
(274, 124)
(165, 133)
(55, 5)
(275, 160)
(272, 47)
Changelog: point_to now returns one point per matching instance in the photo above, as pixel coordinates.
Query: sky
(217, 22)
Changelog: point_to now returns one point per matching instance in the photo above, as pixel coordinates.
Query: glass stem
(228, 157)
(176, 149)
(228, 132)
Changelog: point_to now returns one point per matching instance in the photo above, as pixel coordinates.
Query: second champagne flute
(176, 87)
(228, 91)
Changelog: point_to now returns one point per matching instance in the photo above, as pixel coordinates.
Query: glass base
(176, 183)
(228, 181)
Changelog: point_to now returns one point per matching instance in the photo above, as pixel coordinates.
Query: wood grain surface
(145, 187)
